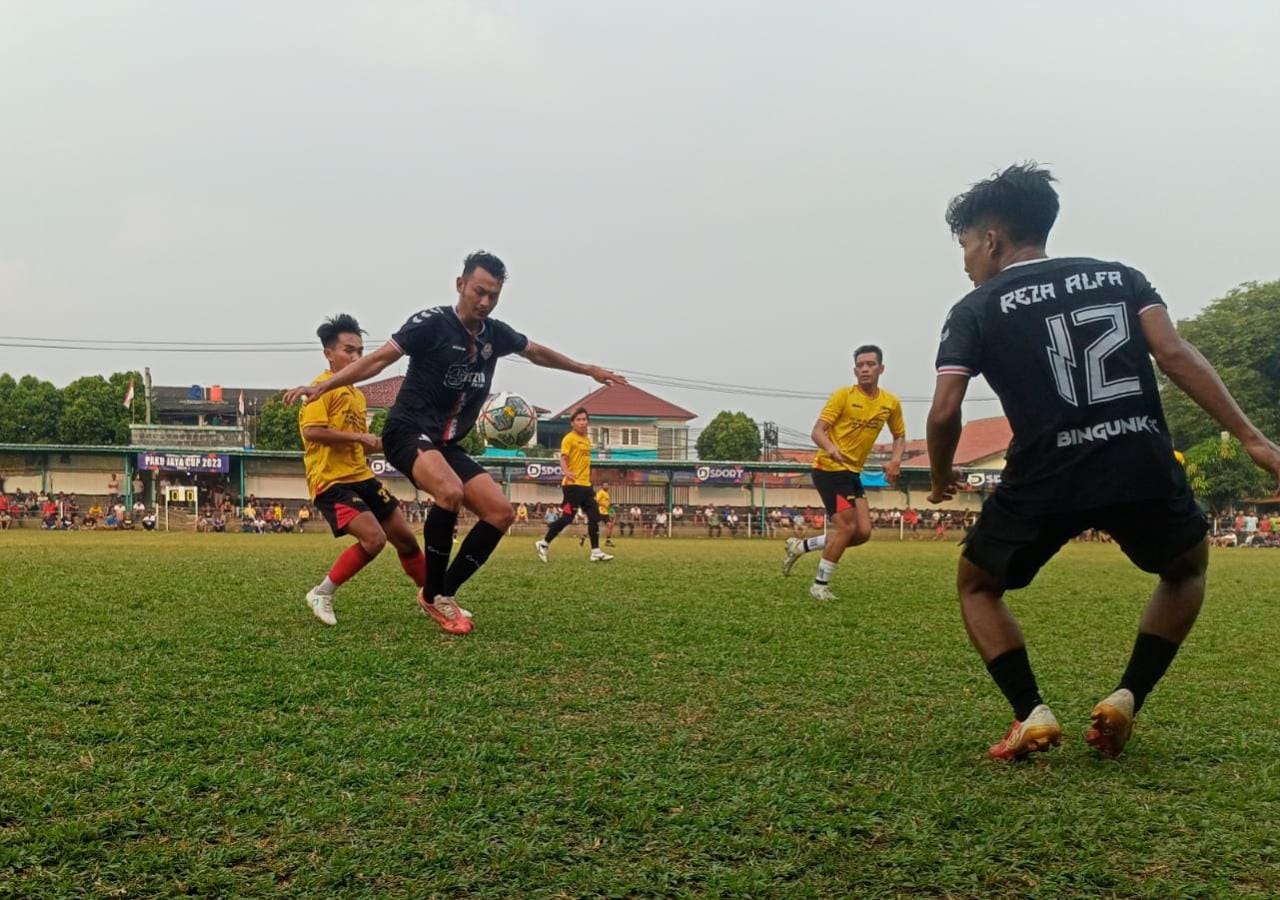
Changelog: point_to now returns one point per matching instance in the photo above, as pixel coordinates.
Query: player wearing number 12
(1066, 344)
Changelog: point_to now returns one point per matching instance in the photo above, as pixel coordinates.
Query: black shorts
(341, 503)
(579, 496)
(605, 517)
(838, 490)
(1012, 547)
(401, 442)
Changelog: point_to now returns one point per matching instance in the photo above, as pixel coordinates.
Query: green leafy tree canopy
(277, 426)
(1221, 473)
(1240, 335)
(730, 436)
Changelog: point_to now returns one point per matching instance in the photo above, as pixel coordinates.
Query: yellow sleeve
(897, 427)
(316, 412)
(566, 444)
(835, 405)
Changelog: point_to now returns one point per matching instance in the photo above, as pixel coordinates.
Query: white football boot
(322, 606)
(598, 555)
(794, 548)
(821, 592)
(541, 547)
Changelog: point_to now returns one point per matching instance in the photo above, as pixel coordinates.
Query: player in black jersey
(452, 352)
(1066, 345)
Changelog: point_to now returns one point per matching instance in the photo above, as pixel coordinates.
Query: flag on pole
(241, 407)
(128, 396)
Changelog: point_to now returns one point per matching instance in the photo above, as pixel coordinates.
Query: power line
(198, 346)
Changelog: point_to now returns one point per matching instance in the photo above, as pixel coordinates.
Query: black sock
(557, 526)
(476, 547)
(1012, 673)
(437, 535)
(1151, 657)
(593, 532)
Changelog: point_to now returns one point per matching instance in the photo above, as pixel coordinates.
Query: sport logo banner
(544, 472)
(720, 474)
(383, 469)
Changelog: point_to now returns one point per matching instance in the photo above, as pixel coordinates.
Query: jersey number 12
(1062, 354)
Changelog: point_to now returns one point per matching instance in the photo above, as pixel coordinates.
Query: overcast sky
(733, 191)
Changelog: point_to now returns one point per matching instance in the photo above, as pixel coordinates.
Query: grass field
(680, 721)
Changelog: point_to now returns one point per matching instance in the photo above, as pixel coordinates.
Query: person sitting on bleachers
(219, 524)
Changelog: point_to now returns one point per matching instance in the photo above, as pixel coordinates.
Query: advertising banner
(383, 469)
(546, 471)
(720, 475)
(185, 462)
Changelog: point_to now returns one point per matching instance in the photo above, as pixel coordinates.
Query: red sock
(352, 560)
(415, 566)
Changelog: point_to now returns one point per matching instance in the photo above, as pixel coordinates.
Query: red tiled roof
(382, 394)
(794, 454)
(627, 400)
(979, 439)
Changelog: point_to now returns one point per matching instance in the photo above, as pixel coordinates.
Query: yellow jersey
(342, 409)
(577, 449)
(602, 501)
(855, 422)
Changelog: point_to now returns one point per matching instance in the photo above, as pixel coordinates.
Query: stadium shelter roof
(626, 401)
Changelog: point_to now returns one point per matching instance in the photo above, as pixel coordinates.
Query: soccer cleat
(608, 542)
(598, 555)
(821, 592)
(794, 548)
(541, 547)
(322, 606)
(447, 614)
(1112, 724)
(1039, 732)
(582, 539)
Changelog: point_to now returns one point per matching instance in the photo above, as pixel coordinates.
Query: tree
(1221, 473)
(31, 412)
(277, 427)
(93, 410)
(379, 422)
(473, 443)
(1240, 335)
(730, 436)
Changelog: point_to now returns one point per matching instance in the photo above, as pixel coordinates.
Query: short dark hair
(1021, 200)
(869, 348)
(483, 259)
(580, 411)
(336, 325)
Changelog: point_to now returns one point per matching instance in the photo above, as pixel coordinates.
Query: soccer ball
(507, 421)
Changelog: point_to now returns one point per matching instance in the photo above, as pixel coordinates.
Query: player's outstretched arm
(1196, 377)
(360, 370)
(943, 436)
(551, 359)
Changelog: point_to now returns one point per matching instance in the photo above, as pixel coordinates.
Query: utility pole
(146, 391)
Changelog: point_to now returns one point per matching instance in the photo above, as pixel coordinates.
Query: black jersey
(1060, 343)
(450, 371)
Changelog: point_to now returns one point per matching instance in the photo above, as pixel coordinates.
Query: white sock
(815, 543)
(826, 568)
(326, 587)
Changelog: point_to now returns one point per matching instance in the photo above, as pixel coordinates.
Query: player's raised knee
(373, 543)
(449, 496)
(502, 517)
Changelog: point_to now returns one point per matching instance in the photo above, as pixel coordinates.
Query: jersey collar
(1027, 262)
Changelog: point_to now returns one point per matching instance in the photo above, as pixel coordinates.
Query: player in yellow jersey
(845, 432)
(603, 503)
(353, 502)
(575, 461)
